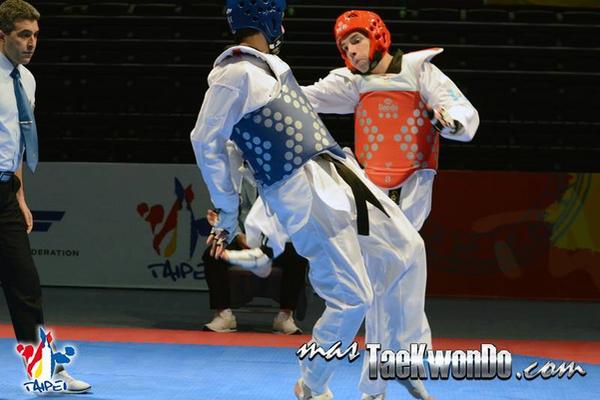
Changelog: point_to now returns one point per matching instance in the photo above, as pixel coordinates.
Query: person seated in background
(293, 268)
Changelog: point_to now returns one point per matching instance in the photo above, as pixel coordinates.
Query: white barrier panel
(118, 225)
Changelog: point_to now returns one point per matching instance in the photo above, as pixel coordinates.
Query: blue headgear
(265, 16)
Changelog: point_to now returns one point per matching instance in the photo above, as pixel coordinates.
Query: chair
(146, 30)
(573, 106)
(531, 36)
(486, 61)
(103, 28)
(203, 9)
(536, 102)
(536, 16)
(48, 8)
(439, 14)
(581, 17)
(155, 9)
(486, 15)
(490, 36)
(76, 9)
(108, 8)
(438, 36)
(588, 62)
(491, 96)
(580, 38)
(535, 62)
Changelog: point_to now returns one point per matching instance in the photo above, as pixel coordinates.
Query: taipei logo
(174, 227)
(41, 362)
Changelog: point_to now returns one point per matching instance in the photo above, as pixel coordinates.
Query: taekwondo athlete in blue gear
(318, 203)
(271, 137)
(266, 16)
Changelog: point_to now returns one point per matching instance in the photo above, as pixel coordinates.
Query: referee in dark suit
(18, 139)
(19, 145)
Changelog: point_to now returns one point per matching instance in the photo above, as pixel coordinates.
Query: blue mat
(131, 371)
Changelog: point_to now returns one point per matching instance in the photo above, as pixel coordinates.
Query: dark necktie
(26, 122)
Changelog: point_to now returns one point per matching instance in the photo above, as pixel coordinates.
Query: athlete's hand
(217, 239)
(442, 121)
(224, 229)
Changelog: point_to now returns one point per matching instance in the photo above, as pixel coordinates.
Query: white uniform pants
(415, 197)
(316, 208)
(326, 235)
(394, 255)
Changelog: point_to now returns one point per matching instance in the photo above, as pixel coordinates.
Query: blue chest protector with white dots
(282, 135)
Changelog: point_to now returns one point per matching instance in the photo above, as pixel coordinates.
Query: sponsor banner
(118, 225)
(490, 234)
(514, 235)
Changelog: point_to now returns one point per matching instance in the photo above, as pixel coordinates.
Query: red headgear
(368, 23)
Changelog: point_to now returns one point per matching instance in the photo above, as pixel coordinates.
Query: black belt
(362, 195)
(6, 176)
(395, 194)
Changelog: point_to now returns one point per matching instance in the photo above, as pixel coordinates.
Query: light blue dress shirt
(11, 146)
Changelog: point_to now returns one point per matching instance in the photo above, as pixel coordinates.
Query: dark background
(124, 81)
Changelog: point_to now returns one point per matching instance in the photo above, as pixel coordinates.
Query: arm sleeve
(221, 110)
(440, 91)
(334, 94)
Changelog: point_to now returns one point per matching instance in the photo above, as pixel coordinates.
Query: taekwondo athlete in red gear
(391, 98)
(401, 104)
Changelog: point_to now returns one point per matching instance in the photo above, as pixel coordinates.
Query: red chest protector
(393, 136)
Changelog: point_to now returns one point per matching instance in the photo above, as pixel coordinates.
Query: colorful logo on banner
(41, 362)
(166, 229)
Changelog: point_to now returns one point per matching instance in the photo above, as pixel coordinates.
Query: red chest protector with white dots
(393, 137)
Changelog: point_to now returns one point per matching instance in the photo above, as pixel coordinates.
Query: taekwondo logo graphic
(418, 362)
(41, 363)
(177, 228)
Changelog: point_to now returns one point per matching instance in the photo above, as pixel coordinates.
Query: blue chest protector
(283, 135)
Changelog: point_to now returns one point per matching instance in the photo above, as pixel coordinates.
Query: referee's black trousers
(18, 275)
